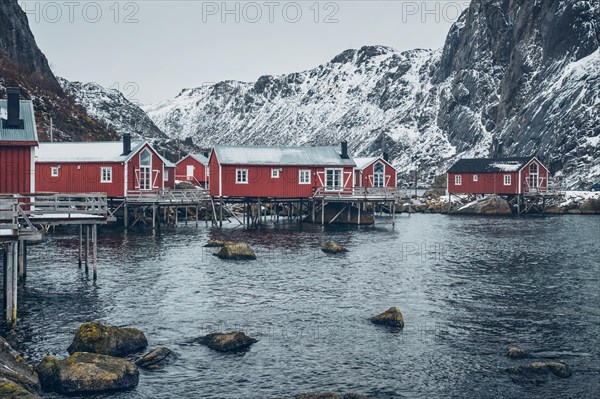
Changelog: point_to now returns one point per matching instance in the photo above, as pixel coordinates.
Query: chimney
(345, 150)
(13, 118)
(126, 144)
(206, 153)
(386, 156)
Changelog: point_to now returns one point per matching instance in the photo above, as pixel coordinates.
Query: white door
(190, 171)
(333, 179)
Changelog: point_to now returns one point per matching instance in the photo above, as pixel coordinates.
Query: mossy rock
(95, 337)
(84, 373)
(236, 251)
(156, 358)
(539, 372)
(11, 390)
(331, 247)
(391, 317)
(227, 342)
(516, 353)
(14, 368)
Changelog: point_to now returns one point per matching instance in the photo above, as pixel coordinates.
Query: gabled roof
(198, 157)
(29, 133)
(92, 151)
(490, 165)
(272, 155)
(362, 163)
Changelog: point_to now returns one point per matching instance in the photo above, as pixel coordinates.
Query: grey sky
(161, 47)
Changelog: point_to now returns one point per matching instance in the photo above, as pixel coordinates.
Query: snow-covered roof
(275, 155)
(29, 131)
(489, 165)
(362, 163)
(200, 158)
(92, 151)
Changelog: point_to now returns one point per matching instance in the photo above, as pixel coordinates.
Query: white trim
(275, 173)
(187, 170)
(110, 174)
(300, 176)
(476, 178)
(54, 169)
(505, 180)
(458, 180)
(242, 170)
(32, 170)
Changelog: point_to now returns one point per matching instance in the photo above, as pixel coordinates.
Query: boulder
(331, 247)
(218, 243)
(391, 317)
(155, 359)
(236, 251)
(84, 373)
(227, 342)
(11, 390)
(490, 205)
(539, 372)
(516, 353)
(15, 373)
(554, 210)
(591, 206)
(95, 337)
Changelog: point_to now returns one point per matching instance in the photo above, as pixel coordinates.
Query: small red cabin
(115, 168)
(18, 139)
(279, 172)
(497, 176)
(374, 172)
(193, 168)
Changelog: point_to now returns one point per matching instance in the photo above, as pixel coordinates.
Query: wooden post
(153, 219)
(197, 215)
(94, 249)
(323, 212)
(176, 216)
(220, 212)
(87, 247)
(10, 281)
(393, 213)
(158, 219)
(359, 209)
(126, 215)
(349, 212)
(21, 261)
(80, 244)
(313, 211)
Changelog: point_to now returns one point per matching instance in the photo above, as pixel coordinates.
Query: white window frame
(189, 170)
(458, 180)
(306, 172)
(507, 180)
(275, 173)
(475, 178)
(54, 171)
(239, 173)
(166, 175)
(103, 179)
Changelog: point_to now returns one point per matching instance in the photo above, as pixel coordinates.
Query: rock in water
(331, 247)
(155, 359)
(391, 317)
(516, 353)
(539, 372)
(236, 251)
(490, 205)
(95, 337)
(12, 390)
(84, 372)
(227, 342)
(15, 374)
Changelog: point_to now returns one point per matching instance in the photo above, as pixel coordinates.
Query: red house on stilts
(504, 176)
(279, 172)
(115, 168)
(193, 168)
(18, 139)
(374, 172)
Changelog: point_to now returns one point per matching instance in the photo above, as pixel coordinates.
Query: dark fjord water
(468, 288)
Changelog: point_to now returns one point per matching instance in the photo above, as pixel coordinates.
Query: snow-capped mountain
(515, 77)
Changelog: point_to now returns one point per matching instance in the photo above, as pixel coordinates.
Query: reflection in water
(468, 289)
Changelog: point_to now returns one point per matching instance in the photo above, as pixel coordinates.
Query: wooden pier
(24, 217)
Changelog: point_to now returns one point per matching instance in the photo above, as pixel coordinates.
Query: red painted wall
(364, 178)
(542, 179)
(169, 178)
(260, 183)
(77, 178)
(199, 170)
(15, 169)
(133, 166)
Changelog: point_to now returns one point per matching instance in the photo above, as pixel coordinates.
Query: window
(458, 180)
(166, 175)
(189, 170)
(507, 180)
(105, 175)
(475, 178)
(241, 176)
(54, 171)
(378, 175)
(145, 158)
(274, 173)
(304, 177)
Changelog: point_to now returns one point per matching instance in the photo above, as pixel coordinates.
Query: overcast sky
(152, 49)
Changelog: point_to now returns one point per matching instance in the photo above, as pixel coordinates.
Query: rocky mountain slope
(515, 77)
(23, 64)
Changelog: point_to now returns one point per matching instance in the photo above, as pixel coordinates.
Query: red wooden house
(115, 168)
(279, 172)
(374, 172)
(18, 139)
(497, 176)
(193, 168)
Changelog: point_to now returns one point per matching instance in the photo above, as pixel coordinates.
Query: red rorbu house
(508, 176)
(18, 139)
(279, 172)
(115, 168)
(374, 172)
(193, 168)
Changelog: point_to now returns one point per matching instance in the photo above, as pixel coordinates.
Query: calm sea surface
(468, 287)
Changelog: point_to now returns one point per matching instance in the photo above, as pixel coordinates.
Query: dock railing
(9, 224)
(361, 193)
(168, 196)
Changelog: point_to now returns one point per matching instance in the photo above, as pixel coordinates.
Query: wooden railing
(169, 196)
(378, 193)
(9, 223)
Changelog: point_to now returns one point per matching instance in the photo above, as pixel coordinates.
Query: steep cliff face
(23, 64)
(515, 77)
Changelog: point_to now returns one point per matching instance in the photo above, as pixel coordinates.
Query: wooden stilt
(176, 216)
(10, 281)
(21, 260)
(87, 247)
(323, 212)
(80, 244)
(95, 250)
(394, 214)
(313, 210)
(359, 209)
(126, 216)
(158, 219)
(197, 215)
(220, 212)
(153, 219)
